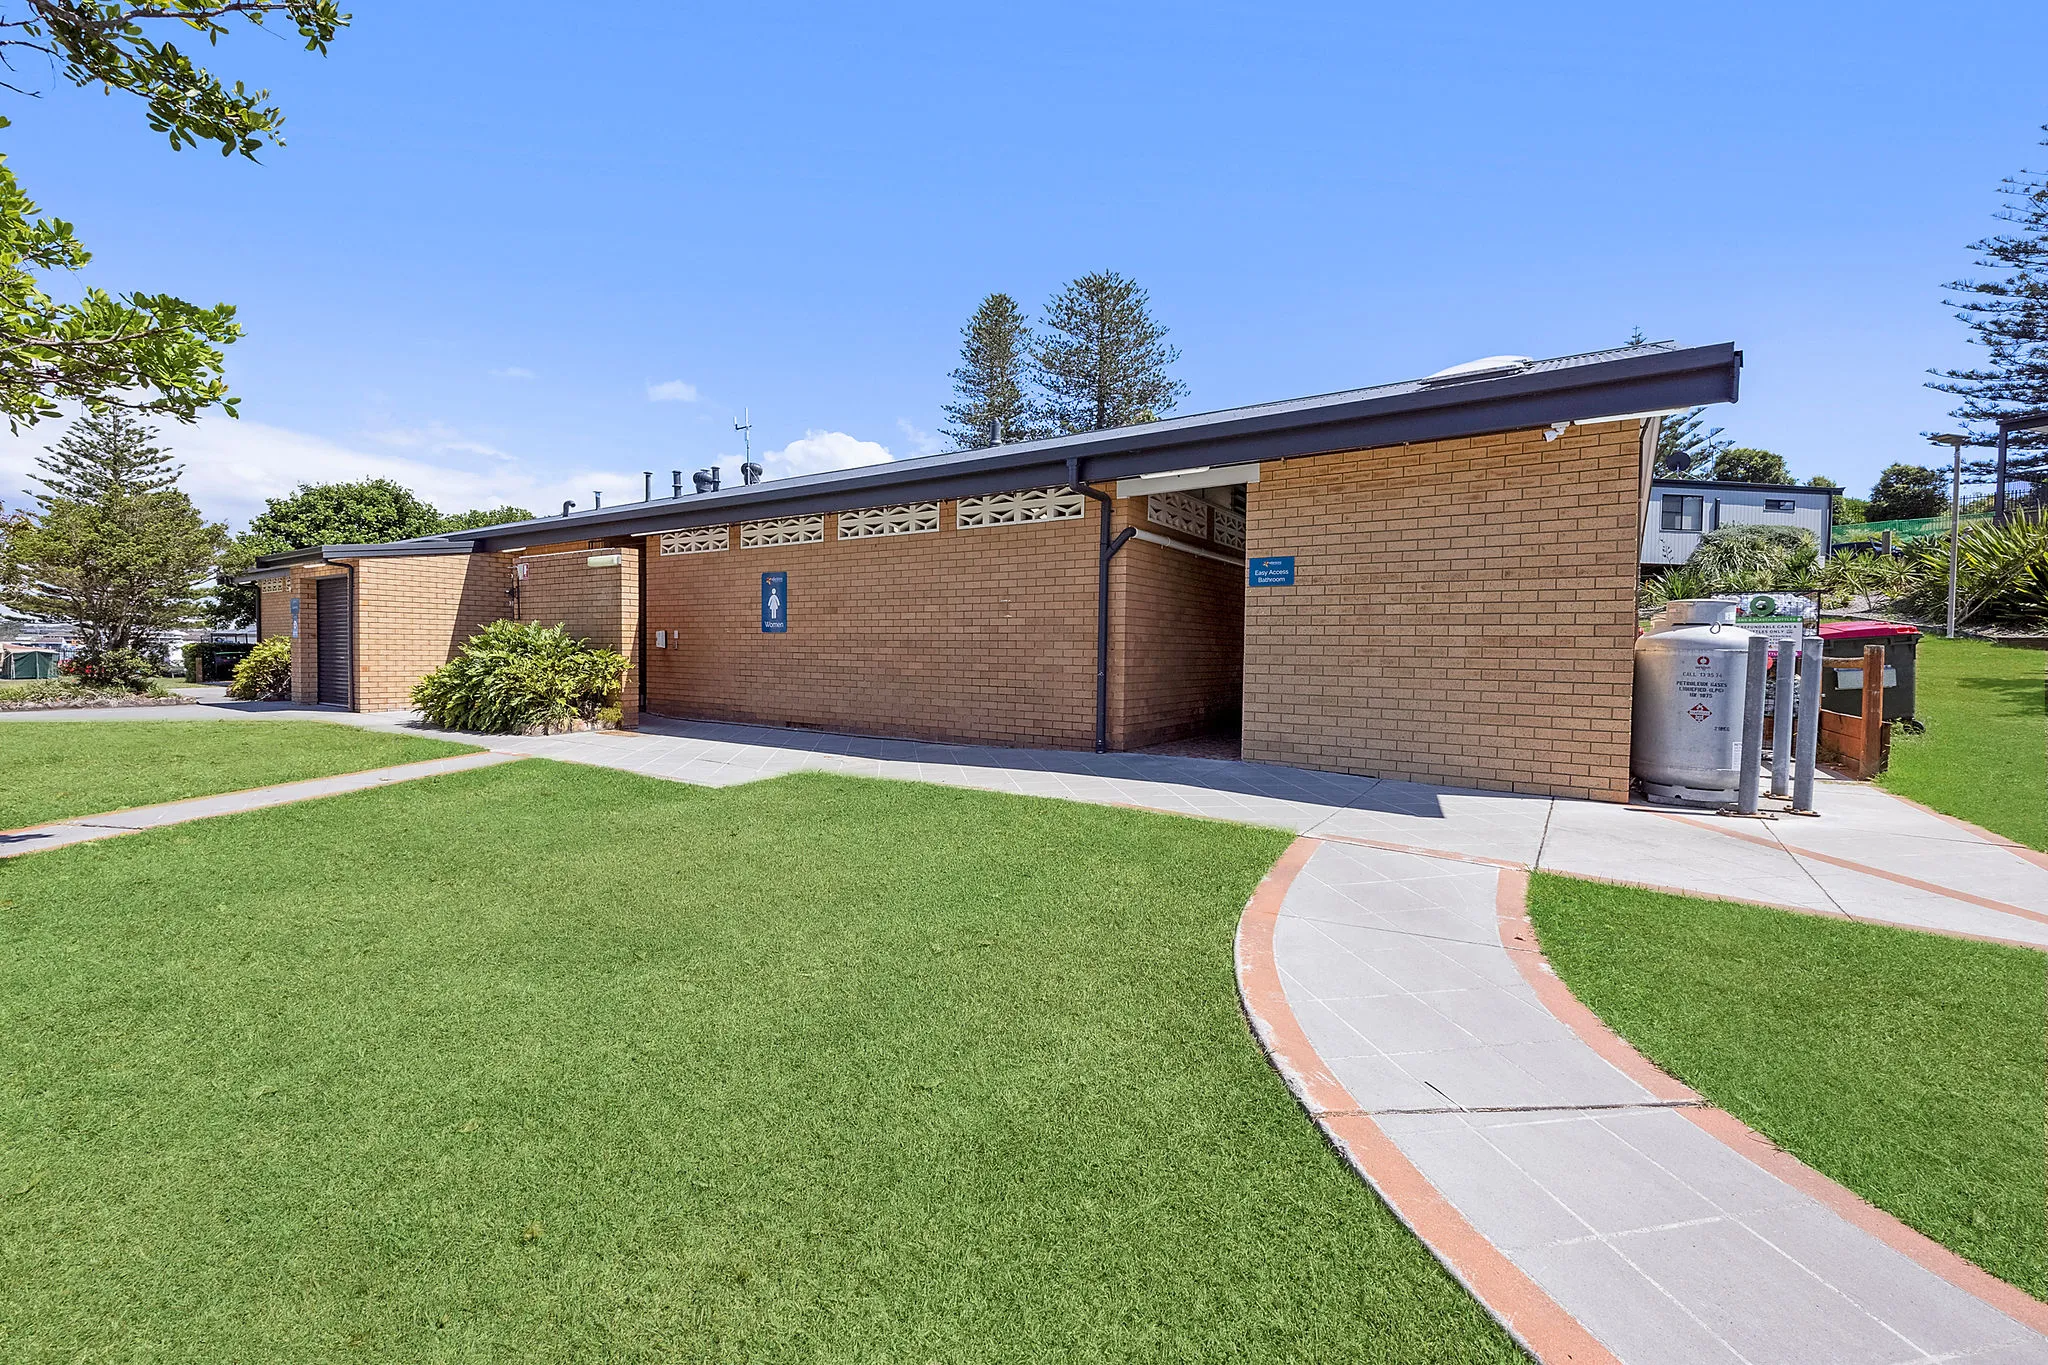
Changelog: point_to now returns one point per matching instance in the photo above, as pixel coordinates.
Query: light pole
(1955, 446)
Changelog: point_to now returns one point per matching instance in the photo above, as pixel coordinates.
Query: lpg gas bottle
(1691, 667)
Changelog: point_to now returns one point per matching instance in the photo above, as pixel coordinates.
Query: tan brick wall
(273, 609)
(602, 605)
(414, 612)
(1463, 612)
(1176, 639)
(984, 635)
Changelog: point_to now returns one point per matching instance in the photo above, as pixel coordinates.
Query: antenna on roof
(750, 473)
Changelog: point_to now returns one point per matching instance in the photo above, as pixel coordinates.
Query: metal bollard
(1809, 723)
(1781, 720)
(1753, 685)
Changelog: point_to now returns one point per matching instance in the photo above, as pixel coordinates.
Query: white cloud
(437, 437)
(672, 391)
(232, 466)
(922, 442)
(513, 372)
(818, 451)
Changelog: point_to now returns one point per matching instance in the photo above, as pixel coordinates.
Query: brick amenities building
(1432, 580)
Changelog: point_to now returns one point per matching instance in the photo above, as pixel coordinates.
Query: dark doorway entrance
(334, 632)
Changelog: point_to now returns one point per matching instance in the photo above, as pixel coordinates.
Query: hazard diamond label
(1700, 711)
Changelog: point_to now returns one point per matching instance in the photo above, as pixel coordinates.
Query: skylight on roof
(1486, 367)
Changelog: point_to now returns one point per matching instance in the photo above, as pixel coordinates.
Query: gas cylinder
(1691, 667)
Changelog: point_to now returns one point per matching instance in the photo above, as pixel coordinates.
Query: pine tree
(1684, 450)
(991, 404)
(1102, 359)
(2007, 314)
(114, 548)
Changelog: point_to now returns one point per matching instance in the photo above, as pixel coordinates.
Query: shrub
(516, 673)
(2001, 573)
(1740, 559)
(266, 675)
(114, 670)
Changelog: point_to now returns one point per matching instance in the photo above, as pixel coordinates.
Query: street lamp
(1955, 446)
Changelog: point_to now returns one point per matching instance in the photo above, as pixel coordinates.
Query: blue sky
(509, 256)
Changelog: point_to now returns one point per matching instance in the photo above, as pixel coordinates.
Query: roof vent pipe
(706, 480)
(750, 473)
(596, 500)
(678, 475)
(647, 485)
(568, 507)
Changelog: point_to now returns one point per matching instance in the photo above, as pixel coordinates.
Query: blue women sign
(775, 603)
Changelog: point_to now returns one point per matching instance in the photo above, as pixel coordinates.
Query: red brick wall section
(1463, 612)
(1176, 639)
(414, 612)
(982, 636)
(600, 604)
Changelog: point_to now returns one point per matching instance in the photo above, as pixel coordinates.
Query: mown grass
(543, 1062)
(1984, 755)
(1907, 1066)
(60, 768)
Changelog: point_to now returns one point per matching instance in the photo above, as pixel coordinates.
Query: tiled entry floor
(1655, 1236)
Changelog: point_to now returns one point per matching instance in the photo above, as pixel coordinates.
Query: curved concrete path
(1602, 1210)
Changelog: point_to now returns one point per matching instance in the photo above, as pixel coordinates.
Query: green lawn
(1907, 1066)
(1984, 757)
(60, 768)
(543, 1062)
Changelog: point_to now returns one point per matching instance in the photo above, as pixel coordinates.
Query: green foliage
(2007, 314)
(111, 670)
(518, 673)
(1851, 511)
(2001, 573)
(116, 548)
(991, 404)
(1680, 583)
(1685, 444)
(366, 512)
(1747, 464)
(1102, 359)
(1739, 559)
(149, 352)
(1907, 491)
(489, 516)
(266, 675)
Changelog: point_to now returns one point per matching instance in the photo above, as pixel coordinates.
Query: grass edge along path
(62, 769)
(1984, 755)
(554, 1062)
(1907, 1067)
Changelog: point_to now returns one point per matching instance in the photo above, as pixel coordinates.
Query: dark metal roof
(1659, 481)
(1659, 377)
(326, 554)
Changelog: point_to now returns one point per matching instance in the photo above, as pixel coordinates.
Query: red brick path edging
(1518, 936)
(1530, 1316)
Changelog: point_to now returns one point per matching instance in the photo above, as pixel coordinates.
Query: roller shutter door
(335, 631)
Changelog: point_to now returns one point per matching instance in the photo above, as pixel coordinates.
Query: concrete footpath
(1600, 1209)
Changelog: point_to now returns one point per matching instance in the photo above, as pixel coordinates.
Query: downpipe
(1106, 551)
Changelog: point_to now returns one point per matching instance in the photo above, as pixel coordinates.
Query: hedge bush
(514, 674)
(266, 675)
(113, 670)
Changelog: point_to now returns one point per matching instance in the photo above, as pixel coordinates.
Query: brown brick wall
(601, 605)
(1463, 612)
(273, 609)
(413, 613)
(1176, 639)
(984, 635)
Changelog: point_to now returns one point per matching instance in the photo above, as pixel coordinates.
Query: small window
(1681, 512)
(1780, 505)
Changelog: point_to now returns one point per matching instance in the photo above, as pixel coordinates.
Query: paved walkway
(1405, 1000)
(89, 828)
(1600, 1209)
